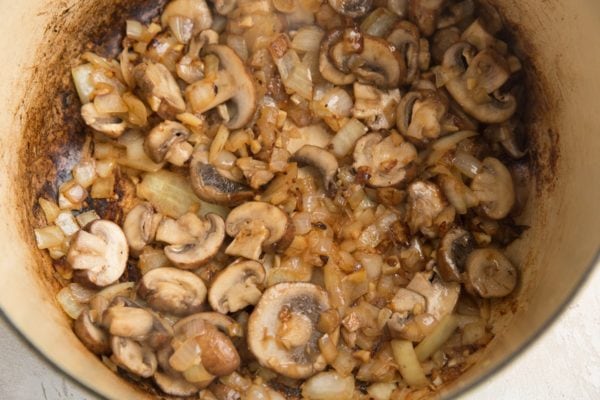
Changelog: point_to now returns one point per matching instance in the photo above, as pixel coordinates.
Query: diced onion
(118, 289)
(170, 193)
(84, 173)
(467, 164)
(83, 83)
(328, 386)
(300, 81)
(103, 188)
(197, 374)
(81, 293)
(68, 303)
(343, 142)
(136, 156)
(67, 223)
(151, 259)
(447, 143)
(408, 364)
(379, 23)
(308, 39)
(441, 333)
(186, 355)
(49, 208)
(49, 236)
(134, 29)
(218, 143)
(302, 223)
(328, 348)
(86, 217)
(381, 390)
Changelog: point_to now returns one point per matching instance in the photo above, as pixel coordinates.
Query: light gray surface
(563, 364)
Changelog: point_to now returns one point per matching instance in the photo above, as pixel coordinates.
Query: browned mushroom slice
(511, 136)
(232, 85)
(441, 296)
(425, 14)
(408, 301)
(351, 8)
(237, 286)
(475, 86)
(256, 226)
(455, 13)
(168, 141)
(441, 41)
(211, 186)
(420, 115)
(323, 161)
(159, 88)
(452, 253)
(493, 186)
(490, 273)
(111, 125)
(282, 329)
(374, 106)
(383, 161)
(101, 254)
(406, 39)
(175, 386)
(328, 70)
(425, 203)
(94, 338)
(378, 63)
(133, 357)
(186, 18)
(140, 226)
(125, 321)
(173, 291)
(208, 237)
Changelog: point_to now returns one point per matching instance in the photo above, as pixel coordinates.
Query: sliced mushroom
(478, 36)
(282, 329)
(225, 324)
(441, 296)
(211, 186)
(187, 12)
(442, 40)
(351, 8)
(256, 226)
(408, 301)
(378, 63)
(133, 357)
(452, 253)
(159, 88)
(328, 70)
(374, 106)
(490, 274)
(383, 160)
(124, 321)
(420, 115)
(475, 86)
(217, 353)
(494, 188)
(175, 386)
(232, 85)
(406, 39)
(203, 248)
(94, 338)
(173, 291)
(425, 203)
(323, 161)
(101, 254)
(237, 286)
(456, 13)
(140, 226)
(425, 14)
(511, 136)
(168, 141)
(111, 125)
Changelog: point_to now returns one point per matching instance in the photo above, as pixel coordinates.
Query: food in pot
(293, 198)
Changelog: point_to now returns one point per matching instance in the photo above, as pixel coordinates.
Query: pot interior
(41, 136)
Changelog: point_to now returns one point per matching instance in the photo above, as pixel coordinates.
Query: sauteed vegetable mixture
(294, 198)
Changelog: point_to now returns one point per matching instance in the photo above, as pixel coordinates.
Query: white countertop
(563, 364)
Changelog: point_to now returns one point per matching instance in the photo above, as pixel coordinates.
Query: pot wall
(39, 141)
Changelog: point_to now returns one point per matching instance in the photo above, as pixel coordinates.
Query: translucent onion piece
(343, 142)
(152, 259)
(81, 293)
(84, 173)
(49, 208)
(134, 29)
(103, 188)
(408, 364)
(447, 143)
(308, 39)
(68, 303)
(328, 386)
(118, 289)
(186, 355)
(441, 333)
(67, 223)
(170, 193)
(300, 81)
(467, 164)
(83, 83)
(50, 236)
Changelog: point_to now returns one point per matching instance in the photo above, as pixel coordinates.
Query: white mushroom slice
(158, 86)
(173, 291)
(441, 296)
(351, 8)
(231, 84)
(140, 226)
(420, 115)
(490, 274)
(195, 11)
(452, 253)
(94, 338)
(282, 331)
(494, 188)
(206, 245)
(382, 161)
(256, 226)
(323, 161)
(225, 324)
(127, 321)
(101, 253)
(175, 386)
(168, 141)
(406, 300)
(112, 126)
(376, 107)
(425, 203)
(405, 38)
(133, 357)
(237, 286)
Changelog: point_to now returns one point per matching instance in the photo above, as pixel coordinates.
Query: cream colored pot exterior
(563, 41)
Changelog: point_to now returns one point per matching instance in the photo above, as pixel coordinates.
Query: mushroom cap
(405, 38)
(383, 160)
(351, 8)
(102, 253)
(209, 185)
(271, 217)
(244, 101)
(140, 226)
(94, 338)
(452, 253)
(173, 291)
(196, 10)
(125, 321)
(419, 115)
(490, 274)
(175, 386)
(158, 86)
(282, 331)
(472, 85)
(328, 70)
(222, 322)
(163, 137)
(323, 161)
(494, 188)
(133, 357)
(237, 286)
(378, 63)
(192, 255)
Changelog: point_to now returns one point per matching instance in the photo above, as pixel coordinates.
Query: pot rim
(521, 349)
